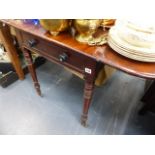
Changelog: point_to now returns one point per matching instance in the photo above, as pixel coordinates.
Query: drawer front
(61, 55)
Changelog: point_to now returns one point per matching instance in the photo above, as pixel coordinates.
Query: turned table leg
(90, 74)
(88, 93)
(28, 58)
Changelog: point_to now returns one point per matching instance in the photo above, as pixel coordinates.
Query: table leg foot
(37, 87)
(84, 120)
(88, 92)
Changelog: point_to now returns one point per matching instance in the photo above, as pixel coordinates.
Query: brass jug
(86, 28)
(55, 26)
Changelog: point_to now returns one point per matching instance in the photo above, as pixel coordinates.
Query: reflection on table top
(102, 54)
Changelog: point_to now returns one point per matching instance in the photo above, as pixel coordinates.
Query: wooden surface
(62, 50)
(80, 57)
(103, 54)
(136, 68)
(10, 48)
(55, 53)
(74, 60)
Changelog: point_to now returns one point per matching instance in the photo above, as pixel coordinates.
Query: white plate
(114, 35)
(136, 38)
(131, 56)
(141, 25)
(130, 51)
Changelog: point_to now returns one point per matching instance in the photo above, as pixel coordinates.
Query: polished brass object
(107, 23)
(55, 26)
(86, 29)
(98, 41)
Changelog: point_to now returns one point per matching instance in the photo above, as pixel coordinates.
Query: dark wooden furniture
(9, 75)
(148, 99)
(66, 51)
(7, 41)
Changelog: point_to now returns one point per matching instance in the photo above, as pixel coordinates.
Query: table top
(102, 54)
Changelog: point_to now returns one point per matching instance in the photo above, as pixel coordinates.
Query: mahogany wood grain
(132, 67)
(82, 58)
(75, 60)
(52, 48)
(106, 54)
(88, 93)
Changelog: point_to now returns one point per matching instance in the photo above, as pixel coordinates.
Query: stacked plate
(133, 41)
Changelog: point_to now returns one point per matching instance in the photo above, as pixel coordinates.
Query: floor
(113, 111)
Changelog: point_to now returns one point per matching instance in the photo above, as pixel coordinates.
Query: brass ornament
(55, 26)
(87, 30)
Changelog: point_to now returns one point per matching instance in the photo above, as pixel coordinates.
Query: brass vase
(55, 26)
(86, 28)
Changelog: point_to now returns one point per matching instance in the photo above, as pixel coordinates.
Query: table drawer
(61, 55)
